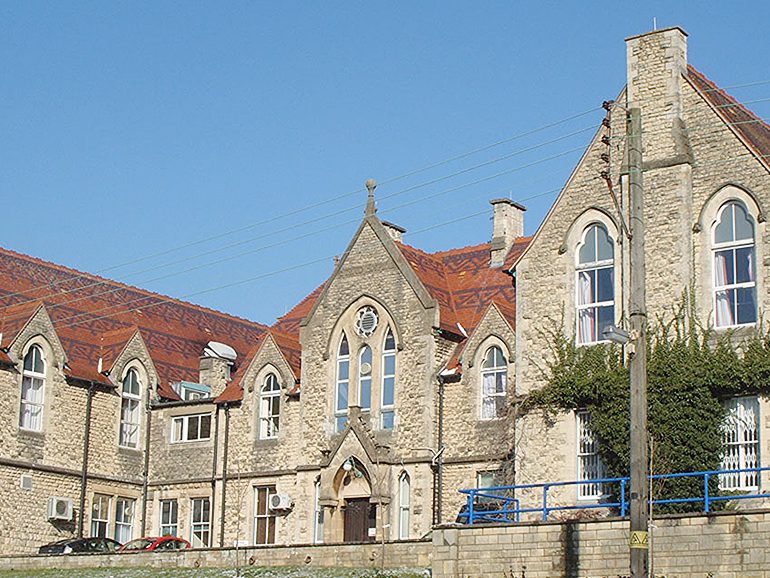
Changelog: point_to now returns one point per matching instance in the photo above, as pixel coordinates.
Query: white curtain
(724, 311)
(488, 399)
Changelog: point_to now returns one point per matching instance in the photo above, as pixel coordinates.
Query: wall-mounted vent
(25, 482)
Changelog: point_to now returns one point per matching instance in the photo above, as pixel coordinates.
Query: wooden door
(360, 516)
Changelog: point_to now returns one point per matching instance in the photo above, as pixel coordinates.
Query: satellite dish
(217, 349)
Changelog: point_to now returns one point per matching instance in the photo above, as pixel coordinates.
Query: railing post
(471, 499)
(706, 497)
(545, 502)
(623, 506)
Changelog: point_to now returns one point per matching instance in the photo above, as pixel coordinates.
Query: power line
(336, 197)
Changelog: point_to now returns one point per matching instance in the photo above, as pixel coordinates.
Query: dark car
(81, 546)
(151, 544)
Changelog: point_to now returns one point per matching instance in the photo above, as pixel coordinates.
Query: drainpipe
(146, 473)
(224, 476)
(214, 462)
(440, 461)
(84, 471)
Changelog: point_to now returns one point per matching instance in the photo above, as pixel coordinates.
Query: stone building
(359, 414)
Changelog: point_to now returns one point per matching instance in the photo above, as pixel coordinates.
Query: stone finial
(371, 184)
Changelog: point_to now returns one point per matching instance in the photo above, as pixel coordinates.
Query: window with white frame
(100, 515)
(130, 410)
(365, 378)
(388, 400)
(589, 464)
(169, 518)
(191, 428)
(735, 301)
(32, 390)
(488, 479)
(343, 385)
(404, 505)
(494, 377)
(318, 517)
(269, 407)
(595, 302)
(200, 522)
(740, 438)
(264, 517)
(124, 519)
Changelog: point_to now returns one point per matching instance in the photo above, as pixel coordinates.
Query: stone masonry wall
(730, 545)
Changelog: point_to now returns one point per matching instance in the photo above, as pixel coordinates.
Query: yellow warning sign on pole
(639, 540)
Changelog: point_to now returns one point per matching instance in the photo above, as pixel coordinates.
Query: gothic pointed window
(365, 378)
(269, 407)
(32, 390)
(387, 402)
(595, 284)
(740, 445)
(404, 505)
(494, 377)
(343, 385)
(130, 412)
(735, 301)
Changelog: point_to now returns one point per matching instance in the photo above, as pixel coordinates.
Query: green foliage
(690, 371)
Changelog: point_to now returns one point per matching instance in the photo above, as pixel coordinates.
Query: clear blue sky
(130, 128)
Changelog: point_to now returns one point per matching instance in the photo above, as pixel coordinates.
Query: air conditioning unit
(281, 502)
(59, 508)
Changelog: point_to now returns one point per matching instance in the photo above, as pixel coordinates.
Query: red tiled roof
(752, 129)
(5, 359)
(289, 323)
(96, 317)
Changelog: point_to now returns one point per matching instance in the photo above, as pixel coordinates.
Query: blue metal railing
(498, 504)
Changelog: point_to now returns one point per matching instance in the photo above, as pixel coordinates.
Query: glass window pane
(366, 393)
(344, 368)
(342, 396)
(723, 232)
(588, 249)
(606, 318)
(604, 247)
(724, 268)
(390, 342)
(344, 349)
(746, 304)
(205, 427)
(387, 419)
(387, 391)
(586, 287)
(605, 284)
(744, 264)
(744, 224)
(366, 355)
(390, 365)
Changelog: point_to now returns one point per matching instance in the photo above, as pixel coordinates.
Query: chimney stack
(507, 226)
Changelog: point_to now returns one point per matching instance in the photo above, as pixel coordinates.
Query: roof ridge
(81, 274)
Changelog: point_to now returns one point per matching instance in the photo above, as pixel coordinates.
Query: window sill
(130, 451)
(32, 433)
(267, 441)
(189, 442)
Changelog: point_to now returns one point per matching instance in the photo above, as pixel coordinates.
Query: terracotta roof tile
(754, 131)
(93, 317)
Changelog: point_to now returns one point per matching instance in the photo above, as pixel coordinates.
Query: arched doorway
(354, 491)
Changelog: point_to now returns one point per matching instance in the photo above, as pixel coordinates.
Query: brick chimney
(656, 63)
(507, 225)
(396, 233)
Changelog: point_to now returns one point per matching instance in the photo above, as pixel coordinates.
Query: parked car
(151, 544)
(81, 546)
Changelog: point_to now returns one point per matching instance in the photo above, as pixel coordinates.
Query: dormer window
(130, 416)
(32, 390)
(269, 407)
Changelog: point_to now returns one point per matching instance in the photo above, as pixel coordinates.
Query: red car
(164, 543)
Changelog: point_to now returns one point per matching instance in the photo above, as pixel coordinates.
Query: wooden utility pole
(639, 507)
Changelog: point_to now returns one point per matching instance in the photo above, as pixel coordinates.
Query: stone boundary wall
(722, 545)
(406, 554)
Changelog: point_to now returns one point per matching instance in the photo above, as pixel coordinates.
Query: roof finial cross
(371, 208)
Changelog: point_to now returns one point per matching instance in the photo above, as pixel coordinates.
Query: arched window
(494, 376)
(343, 384)
(387, 402)
(365, 378)
(403, 506)
(32, 390)
(130, 413)
(595, 284)
(735, 288)
(269, 407)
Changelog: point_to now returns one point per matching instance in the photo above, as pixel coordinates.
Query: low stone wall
(409, 554)
(723, 545)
